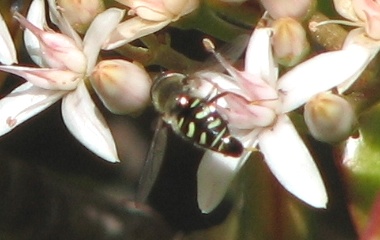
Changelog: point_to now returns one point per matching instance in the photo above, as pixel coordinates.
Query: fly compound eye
(164, 90)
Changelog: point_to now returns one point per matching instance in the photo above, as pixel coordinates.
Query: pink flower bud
(123, 87)
(330, 118)
(58, 50)
(80, 13)
(288, 8)
(289, 41)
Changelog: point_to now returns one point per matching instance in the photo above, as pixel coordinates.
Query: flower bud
(330, 118)
(80, 13)
(58, 50)
(289, 41)
(288, 8)
(123, 87)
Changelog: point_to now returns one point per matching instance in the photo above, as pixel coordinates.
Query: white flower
(65, 64)
(151, 16)
(259, 117)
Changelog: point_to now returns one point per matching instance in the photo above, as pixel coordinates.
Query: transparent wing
(153, 162)
(230, 51)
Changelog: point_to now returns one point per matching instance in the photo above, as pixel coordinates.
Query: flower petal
(345, 9)
(291, 163)
(132, 29)
(36, 15)
(52, 79)
(259, 58)
(23, 103)
(98, 32)
(86, 123)
(243, 115)
(359, 38)
(215, 173)
(8, 50)
(321, 73)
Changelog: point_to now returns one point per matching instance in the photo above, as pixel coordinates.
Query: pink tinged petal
(291, 163)
(86, 123)
(36, 16)
(256, 88)
(259, 58)
(373, 25)
(215, 173)
(321, 73)
(23, 103)
(59, 51)
(244, 115)
(46, 78)
(8, 51)
(132, 29)
(98, 32)
(369, 12)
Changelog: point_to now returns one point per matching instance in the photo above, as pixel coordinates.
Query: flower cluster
(259, 101)
(280, 76)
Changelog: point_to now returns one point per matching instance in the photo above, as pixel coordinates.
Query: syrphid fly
(190, 113)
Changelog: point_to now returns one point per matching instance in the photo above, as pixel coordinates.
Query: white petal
(357, 38)
(98, 32)
(23, 103)
(132, 29)
(36, 15)
(345, 9)
(86, 123)
(215, 173)
(8, 50)
(291, 163)
(53, 11)
(321, 73)
(259, 58)
(47, 78)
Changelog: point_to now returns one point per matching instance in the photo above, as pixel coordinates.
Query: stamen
(314, 25)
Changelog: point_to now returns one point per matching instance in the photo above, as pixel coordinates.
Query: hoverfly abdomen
(198, 121)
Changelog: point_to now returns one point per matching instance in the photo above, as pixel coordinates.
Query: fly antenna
(210, 47)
